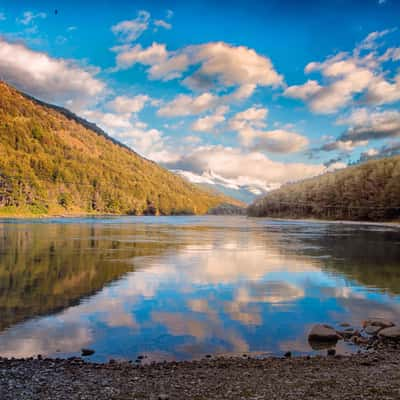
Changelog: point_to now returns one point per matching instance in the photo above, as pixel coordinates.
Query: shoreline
(393, 224)
(369, 375)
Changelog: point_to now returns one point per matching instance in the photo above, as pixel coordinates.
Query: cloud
(367, 125)
(336, 166)
(275, 141)
(334, 161)
(219, 64)
(50, 79)
(370, 42)
(191, 139)
(208, 123)
(249, 123)
(364, 125)
(169, 14)
(347, 77)
(130, 30)
(125, 126)
(108, 121)
(388, 150)
(184, 105)
(29, 17)
(150, 143)
(346, 146)
(303, 92)
(163, 24)
(370, 153)
(154, 56)
(252, 117)
(391, 54)
(235, 65)
(381, 91)
(242, 166)
(236, 71)
(128, 105)
(2, 16)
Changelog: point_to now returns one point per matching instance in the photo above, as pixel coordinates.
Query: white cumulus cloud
(208, 123)
(128, 105)
(219, 64)
(50, 79)
(184, 105)
(349, 77)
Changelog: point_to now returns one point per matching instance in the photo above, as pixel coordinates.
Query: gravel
(368, 375)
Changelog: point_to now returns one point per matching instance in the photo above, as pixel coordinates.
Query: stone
(345, 324)
(87, 352)
(331, 352)
(288, 354)
(347, 333)
(383, 323)
(372, 330)
(323, 333)
(390, 333)
(163, 397)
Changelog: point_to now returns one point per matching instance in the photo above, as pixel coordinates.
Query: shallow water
(183, 287)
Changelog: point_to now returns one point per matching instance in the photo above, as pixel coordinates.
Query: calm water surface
(183, 287)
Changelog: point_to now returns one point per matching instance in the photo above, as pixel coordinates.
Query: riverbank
(395, 224)
(372, 375)
(7, 217)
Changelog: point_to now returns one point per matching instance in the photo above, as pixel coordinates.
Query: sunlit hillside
(368, 191)
(52, 162)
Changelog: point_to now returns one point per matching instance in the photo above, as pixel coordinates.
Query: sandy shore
(374, 375)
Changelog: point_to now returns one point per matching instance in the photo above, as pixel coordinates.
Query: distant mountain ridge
(369, 191)
(55, 162)
(245, 193)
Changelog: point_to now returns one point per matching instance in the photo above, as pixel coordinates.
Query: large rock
(380, 322)
(390, 333)
(372, 330)
(323, 333)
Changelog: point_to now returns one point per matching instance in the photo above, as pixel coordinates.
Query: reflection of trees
(44, 268)
(371, 257)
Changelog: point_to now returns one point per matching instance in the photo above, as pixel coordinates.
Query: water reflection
(183, 287)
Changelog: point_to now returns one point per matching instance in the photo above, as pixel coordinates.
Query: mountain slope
(368, 191)
(52, 162)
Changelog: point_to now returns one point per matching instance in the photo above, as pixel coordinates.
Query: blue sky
(240, 94)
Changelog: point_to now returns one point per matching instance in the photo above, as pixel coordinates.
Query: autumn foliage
(53, 162)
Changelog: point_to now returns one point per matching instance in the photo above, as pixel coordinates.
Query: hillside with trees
(53, 162)
(368, 191)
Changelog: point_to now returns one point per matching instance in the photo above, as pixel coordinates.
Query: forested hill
(53, 162)
(368, 191)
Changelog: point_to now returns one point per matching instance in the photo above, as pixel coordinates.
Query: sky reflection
(189, 286)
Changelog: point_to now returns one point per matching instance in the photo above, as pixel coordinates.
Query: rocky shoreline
(372, 373)
(374, 334)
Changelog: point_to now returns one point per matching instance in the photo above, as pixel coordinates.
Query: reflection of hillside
(370, 257)
(45, 268)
